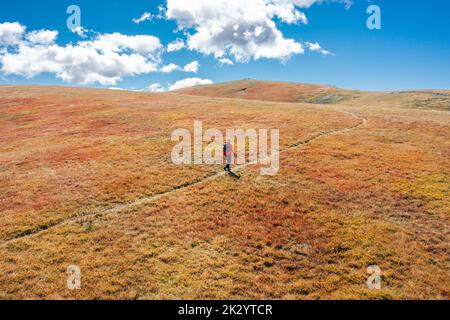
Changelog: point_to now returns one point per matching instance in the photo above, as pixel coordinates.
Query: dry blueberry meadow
(92, 207)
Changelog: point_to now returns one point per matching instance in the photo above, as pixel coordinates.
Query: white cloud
(75, 64)
(304, 3)
(171, 67)
(11, 33)
(156, 87)
(309, 3)
(44, 37)
(185, 83)
(223, 61)
(123, 89)
(116, 42)
(286, 12)
(242, 30)
(175, 45)
(106, 59)
(246, 31)
(117, 89)
(192, 67)
(317, 48)
(144, 17)
(347, 3)
(80, 31)
(189, 82)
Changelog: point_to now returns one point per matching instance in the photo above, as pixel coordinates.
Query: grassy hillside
(271, 91)
(86, 179)
(321, 95)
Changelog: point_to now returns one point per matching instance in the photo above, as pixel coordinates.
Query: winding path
(42, 229)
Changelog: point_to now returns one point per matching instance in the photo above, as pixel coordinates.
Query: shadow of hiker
(234, 175)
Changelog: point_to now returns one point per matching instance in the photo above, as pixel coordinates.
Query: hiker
(228, 153)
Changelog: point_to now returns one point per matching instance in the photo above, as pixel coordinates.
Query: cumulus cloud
(189, 82)
(185, 83)
(317, 48)
(116, 42)
(156, 87)
(105, 60)
(246, 31)
(11, 33)
(42, 37)
(171, 67)
(176, 45)
(223, 61)
(117, 88)
(287, 12)
(75, 64)
(80, 31)
(144, 17)
(242, 30)
(192, 67)
(309, 3)
(347, 3)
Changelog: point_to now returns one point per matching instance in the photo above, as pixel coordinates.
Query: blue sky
(411, 51)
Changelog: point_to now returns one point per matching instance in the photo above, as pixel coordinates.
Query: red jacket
(228, 149)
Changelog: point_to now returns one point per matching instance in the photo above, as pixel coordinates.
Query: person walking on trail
(228, 154)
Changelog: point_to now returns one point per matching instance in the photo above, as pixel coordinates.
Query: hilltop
(270, 91)
(320, 94)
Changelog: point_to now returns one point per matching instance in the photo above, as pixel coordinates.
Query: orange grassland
(86, 179)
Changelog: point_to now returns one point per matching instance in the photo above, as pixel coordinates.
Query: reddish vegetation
(265, 91)
(378, 194)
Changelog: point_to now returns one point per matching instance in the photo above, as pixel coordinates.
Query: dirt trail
(79, 218)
